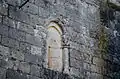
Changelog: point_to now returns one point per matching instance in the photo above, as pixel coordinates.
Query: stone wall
(110, 17)
(23, 33)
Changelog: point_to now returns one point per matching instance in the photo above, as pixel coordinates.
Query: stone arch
(54, 47)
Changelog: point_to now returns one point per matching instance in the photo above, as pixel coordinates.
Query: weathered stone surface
(76, 72)
(24, 32)
(10, 64)
(34, 77)
(43, 12)
(16, 65)
(0, 38)
(34, 40)
(35, 70)
(87, 57)
(36, 50)
(76, 54)
(2, 76)
(3, 63)
(97, 69)
(87, 66)
(4, 50)
(30, 38)
(96, 76)
(31, 8)
(23, 46)
(76, 63)
(116, 2)
(14, 2)
(31, 58)
(10, 42)
(25, 27)
(3, 9)
(98, 61)
(3, 30)
(17, 54)
(24, 67)
(11, 74)
(2, 73)
(9, 22)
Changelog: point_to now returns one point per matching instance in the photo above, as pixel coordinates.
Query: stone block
(22, 46)
(3, 76)
(35, 70)
(34, 19)
(96, 76)
(75, 46)
(87, 57)
(6, 63)
(24, 67)
(40, 3)
(16, 64)
(5, 41)
(3, 63)
(30, 39)
(31, 8)
(9, 22)
(19, 15)
(87, 66)
(10, 42)
(76, 54)
(14, 2)
(36, 50)
(76, 63)
(17, 34)
(76, 72)
(39, 41)
(10, 64)
(43, 13)
(34, 40)
(19, 55)
(14, 43)
(3, 30)
(11, 74)
(31, 58)
(4, 51)
(25, 47)
(3, 9)
(28, 48)
(2, 70)
(27, 28)
(13, 33)
(98, 61)
(21, 35)
(96, 69)
(87, 75)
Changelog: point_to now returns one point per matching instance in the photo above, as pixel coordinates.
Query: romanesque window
(54, 50)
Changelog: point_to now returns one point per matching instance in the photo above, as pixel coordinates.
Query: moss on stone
(103, 40)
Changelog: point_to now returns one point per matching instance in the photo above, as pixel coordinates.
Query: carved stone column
(66, 58)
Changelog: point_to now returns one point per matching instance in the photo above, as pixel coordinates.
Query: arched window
(54, 44)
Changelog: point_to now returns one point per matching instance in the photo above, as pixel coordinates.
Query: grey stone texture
(23, 36)
(111, 67)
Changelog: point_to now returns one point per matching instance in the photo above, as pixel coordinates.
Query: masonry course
(23, 34)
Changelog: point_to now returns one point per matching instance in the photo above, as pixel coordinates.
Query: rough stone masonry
(90, 30)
